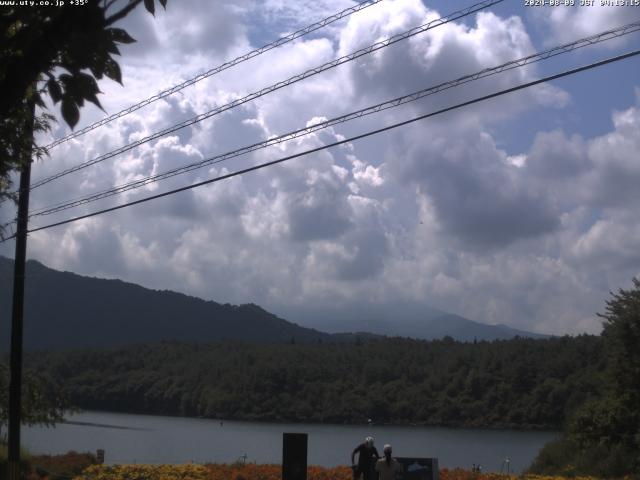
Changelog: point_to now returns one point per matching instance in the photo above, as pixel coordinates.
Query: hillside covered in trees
(521, 383)
(64, 310)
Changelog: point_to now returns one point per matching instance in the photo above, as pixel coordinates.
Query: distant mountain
(65, 310)
(403, 319)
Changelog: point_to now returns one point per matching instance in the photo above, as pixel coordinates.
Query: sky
(521, 210)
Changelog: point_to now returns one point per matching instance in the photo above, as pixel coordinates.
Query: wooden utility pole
(17, 312)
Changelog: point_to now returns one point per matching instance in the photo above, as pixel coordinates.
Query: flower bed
(145, 472)
(253, 471)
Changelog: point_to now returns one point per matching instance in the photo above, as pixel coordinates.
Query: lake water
(152, 439)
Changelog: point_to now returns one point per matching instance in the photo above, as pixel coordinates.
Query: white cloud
(440, 212)
(478, 197)
(441, 54)
(567, 24)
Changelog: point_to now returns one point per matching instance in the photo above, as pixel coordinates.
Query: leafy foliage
(603, 436)
(516, 383)
(42, 400)
(565, 457)
(622, 338)
(56, 51)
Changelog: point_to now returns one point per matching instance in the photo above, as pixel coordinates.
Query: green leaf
(71, 84)
(37, 99)
(70, 111)
(82, 47)
(112, 48)
(88, 88)
(54, 90)
(112, 70)
(150, 6)
(97, 65)
(121, 36)
(86, 83)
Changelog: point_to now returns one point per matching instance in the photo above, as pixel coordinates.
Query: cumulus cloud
(554, 156)
(478, 196)
(441, 54)
(616, 175)
(566, 24)
(441, 213)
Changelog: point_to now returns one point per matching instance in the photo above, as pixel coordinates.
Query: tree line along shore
(520, 383)
(588, 386)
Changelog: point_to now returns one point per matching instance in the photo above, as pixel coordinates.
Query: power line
(558, 50)
(284, 83)
(341, 142)
(347, 58)
(231, 63)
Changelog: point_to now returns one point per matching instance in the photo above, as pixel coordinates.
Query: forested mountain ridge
(520, 383)
(66, 310)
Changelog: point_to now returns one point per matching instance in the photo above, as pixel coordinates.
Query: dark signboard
(294, 456)
(414, 468)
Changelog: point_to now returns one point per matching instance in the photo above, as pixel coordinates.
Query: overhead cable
(231, 63)
(284, 83)
(521, 62)
(341, 142)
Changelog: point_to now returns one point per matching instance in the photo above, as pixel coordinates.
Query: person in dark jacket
(367, 458)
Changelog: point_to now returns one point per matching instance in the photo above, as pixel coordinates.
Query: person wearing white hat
(388, 466)
(367, 455)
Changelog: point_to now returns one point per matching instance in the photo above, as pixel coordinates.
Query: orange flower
(252, 471)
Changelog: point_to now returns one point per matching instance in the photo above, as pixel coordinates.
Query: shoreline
(306, 422)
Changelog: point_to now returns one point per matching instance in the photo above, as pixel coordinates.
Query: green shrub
(565, 457)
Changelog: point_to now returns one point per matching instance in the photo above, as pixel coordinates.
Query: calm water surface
(151, 439)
